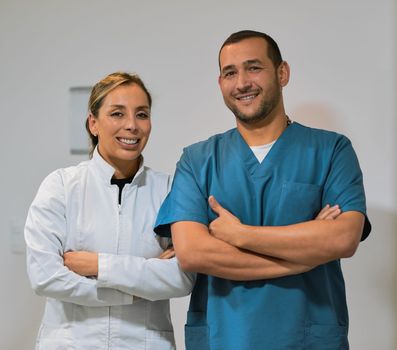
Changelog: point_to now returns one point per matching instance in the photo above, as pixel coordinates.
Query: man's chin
(250, 119)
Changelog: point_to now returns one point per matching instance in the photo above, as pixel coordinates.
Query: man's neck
(263, 132)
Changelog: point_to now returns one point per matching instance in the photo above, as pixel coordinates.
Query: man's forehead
(244, 51)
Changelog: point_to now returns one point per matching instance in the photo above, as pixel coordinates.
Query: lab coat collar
(106, 171)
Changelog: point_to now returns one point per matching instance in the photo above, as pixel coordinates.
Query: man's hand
(329, 213)
(82, 262)
(228, 227)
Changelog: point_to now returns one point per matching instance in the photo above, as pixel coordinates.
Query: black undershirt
(120, 183)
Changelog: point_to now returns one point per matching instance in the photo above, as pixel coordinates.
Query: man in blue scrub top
(242, 213)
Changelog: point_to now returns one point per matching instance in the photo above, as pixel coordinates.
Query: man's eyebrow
(245, 63)
(226, 68)
(253, 61)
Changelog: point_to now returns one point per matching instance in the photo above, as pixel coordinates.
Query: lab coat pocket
(54, 338)
(298, 202)
(163, 340)
(326, 337)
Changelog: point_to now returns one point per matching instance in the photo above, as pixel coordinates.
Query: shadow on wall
(371, 283)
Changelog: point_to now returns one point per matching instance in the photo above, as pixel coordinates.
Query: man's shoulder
(318, 136)
(209, 145)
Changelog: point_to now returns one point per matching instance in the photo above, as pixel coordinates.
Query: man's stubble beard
(265, 109)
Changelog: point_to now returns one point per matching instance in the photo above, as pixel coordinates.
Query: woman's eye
(143, 115)
(116, 114)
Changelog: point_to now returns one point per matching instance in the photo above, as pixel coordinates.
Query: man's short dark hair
(273, 50)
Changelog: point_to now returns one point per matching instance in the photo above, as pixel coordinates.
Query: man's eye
(254, 68)
(143, 115)
(228, 74)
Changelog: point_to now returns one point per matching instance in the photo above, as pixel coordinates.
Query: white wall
(343, 60)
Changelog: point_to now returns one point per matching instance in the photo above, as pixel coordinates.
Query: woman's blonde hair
(101, 90)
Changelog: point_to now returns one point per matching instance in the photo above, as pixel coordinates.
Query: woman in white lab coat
(91, 249)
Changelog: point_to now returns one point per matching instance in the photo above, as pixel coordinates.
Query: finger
(329, 213)
(168, 253)
(215, 206)
(161, 256)
(333, 213)
(210, 230)
(322, 214)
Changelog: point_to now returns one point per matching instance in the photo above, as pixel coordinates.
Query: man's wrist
(240, 237)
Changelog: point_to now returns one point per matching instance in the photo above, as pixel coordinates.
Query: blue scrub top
(305, 170)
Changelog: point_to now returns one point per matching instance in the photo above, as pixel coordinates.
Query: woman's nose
(130, 123)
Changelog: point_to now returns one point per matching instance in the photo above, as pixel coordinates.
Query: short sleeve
(344, 184)
(186, 200)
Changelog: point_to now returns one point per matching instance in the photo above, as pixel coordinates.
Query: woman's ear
(92, 124)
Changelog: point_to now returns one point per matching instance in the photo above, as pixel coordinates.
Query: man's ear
(283, 73)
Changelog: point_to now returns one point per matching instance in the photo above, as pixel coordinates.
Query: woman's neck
(126, 169)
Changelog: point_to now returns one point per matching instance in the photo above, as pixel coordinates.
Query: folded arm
(198, 251)
(45, 234)
(152, 279)
(310, 243)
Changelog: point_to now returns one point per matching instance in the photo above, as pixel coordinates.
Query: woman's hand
(86, 263)
(167, 254)
(82, 262)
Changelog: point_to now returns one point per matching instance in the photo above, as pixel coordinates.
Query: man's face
(249, 82)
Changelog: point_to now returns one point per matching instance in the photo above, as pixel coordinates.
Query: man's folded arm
(198, 251)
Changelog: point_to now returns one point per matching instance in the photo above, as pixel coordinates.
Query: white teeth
(129, 141)
(246, 98)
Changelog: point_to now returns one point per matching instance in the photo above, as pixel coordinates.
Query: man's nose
(243, 81)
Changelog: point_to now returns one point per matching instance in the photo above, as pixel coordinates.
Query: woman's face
(123, 127)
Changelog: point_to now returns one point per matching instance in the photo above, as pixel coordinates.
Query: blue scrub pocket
(196, 332)
(196, 337)
(298, 202)
(326, 337)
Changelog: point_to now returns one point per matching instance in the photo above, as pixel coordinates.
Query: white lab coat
(127, 306)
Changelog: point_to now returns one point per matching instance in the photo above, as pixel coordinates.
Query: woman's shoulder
(61, 176)
(155, 175)
(157, 178)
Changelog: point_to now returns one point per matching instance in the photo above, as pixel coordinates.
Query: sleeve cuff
(103, 270)
(103, 278)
